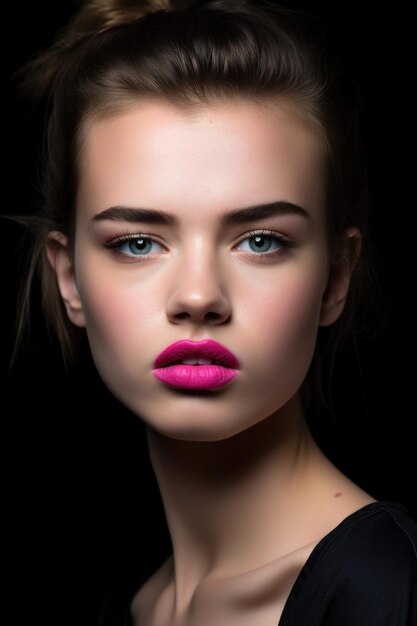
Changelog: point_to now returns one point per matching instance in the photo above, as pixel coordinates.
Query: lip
(186, 376)
(207, 348)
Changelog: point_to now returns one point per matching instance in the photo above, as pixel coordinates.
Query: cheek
(116, 318)
(287, 322)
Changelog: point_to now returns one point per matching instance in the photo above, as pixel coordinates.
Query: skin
(246, 490)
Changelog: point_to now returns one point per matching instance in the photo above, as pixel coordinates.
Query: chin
(196, 436)
(187, 427)
(196, 431)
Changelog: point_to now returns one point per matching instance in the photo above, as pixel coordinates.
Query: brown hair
(192, 53)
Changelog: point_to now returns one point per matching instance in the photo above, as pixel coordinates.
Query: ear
(335, 294)
(59, 256)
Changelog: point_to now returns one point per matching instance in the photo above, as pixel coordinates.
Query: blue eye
(265, 244)
(138, 246)
(261, 242)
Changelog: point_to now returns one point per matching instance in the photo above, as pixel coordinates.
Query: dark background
(82, 508)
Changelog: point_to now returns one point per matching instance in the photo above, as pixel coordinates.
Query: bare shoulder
(335, 500)
(353, 498)
(145, 597)
(348, 499)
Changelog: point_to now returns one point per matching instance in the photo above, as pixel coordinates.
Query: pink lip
(196, 376)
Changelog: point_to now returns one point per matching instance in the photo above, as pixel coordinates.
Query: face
(260, 294)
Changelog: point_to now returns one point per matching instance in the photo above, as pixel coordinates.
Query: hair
(112, 54)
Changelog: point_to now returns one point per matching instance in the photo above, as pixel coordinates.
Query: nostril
(212, 315)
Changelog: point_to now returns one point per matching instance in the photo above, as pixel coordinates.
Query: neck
(235, 504)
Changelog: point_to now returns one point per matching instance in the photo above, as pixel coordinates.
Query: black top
(362, 573)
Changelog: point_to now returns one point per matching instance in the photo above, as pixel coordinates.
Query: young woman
(204, 226)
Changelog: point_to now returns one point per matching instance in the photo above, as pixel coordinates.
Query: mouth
(196, 365)
(196, 353)
(195, 361)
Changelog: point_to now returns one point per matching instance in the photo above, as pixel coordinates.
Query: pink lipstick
(188, 364)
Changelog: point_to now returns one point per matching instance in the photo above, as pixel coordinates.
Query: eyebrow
(237, 216)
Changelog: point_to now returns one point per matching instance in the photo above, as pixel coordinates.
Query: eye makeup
(127, 238)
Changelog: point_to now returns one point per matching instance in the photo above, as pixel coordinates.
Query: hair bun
(99, 15)
(35, 78)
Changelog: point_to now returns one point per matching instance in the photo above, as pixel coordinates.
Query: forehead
(200, 163)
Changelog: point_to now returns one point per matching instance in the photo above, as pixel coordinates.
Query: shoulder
(373, 564)
(383, 538)
(125, 604)
(362, 573)
(144, 600)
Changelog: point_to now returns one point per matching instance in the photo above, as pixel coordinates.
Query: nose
(197, 294)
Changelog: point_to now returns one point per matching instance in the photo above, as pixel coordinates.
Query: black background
(82, 508)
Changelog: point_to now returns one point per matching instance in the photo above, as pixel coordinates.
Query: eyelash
(284, 242)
